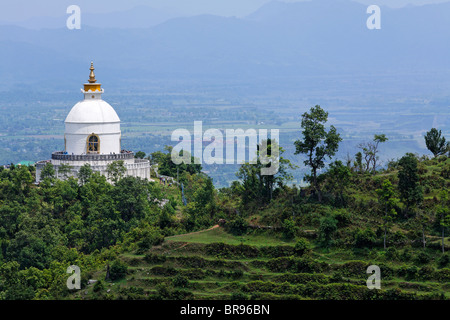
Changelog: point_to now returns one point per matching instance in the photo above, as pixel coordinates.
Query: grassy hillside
(139, 239)
(193, 267)
(262, 263)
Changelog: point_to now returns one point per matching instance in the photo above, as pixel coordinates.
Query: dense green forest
(260, 238)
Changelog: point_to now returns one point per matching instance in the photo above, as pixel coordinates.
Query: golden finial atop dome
(92, 86)
(92, 74)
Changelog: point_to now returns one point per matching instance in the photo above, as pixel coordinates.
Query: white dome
(92, 111)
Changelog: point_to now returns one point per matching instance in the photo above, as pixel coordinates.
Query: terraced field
(190, 267)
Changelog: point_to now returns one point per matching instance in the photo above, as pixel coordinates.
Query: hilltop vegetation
(271, 240)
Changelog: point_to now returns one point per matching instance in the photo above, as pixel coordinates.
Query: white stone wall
(136, 168)
(76, 135)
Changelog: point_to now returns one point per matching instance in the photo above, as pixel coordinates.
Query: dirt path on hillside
(196, 232)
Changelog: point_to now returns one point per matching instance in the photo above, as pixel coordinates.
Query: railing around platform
(92, 157)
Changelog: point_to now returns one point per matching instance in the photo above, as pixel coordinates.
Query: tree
(168, 168)
(289, 229)
(337, 179)
(302, 246)
(422, 219)
(435, 143)
(200, 194)
(22, 180)
(85, 173)
(130, 196)
(257, 186)
(237, 226)
(370, 150)
(64, 170)
(48, 171)
(358, 162)
(118, 270)
(139, 155)
(317, 143)
(388, 202)
(408, 185)
(115, 171)
(327, 228)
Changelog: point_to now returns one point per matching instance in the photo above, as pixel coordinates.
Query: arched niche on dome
(93, 143)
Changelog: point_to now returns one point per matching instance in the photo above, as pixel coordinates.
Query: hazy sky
(19, 10)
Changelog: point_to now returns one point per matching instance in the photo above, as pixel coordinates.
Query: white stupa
(92, 135)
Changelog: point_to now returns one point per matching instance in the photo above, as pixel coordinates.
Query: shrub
(406, 255)
(302, 278)
(289, 229)
(195, 273)
(392, 254)
(397, 294)
(444, 260)
(132, 293)
(238, 296)
(165, 293)
(443, 275)
(364, 238)
(98, 286)
(354, 268)
(399, 237)
(180, 281)
(343, 218)
(149, 237)
(411, 273)
(426, 273)
(277, 251)
(142, 238)
(237, 226)
(280, 264)
(327, 228)
(236, 274)
(423, 258)
(302, 246)
(154, 258)
(163, 271)
(220, 249)
(341, 291)
(118, 270)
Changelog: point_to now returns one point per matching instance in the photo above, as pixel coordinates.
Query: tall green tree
(388, 201)
(436, 142)
(337, 180)
(201, 201)
(48, 171)
(85, 173)
(130, 196)
(327, 228)
(258, 187)
(64, 170)
(168, 168)
(358, 162)
(408, 185)
(317, 143)
(22, 180)
(422, 219)
(116, 170)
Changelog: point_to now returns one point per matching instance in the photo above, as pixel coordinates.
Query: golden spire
(92, 85)
(92, 74)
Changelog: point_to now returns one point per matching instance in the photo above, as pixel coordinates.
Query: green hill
(139, 240)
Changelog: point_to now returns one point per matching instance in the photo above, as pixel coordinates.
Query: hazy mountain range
(322, 37)
(137, 17)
